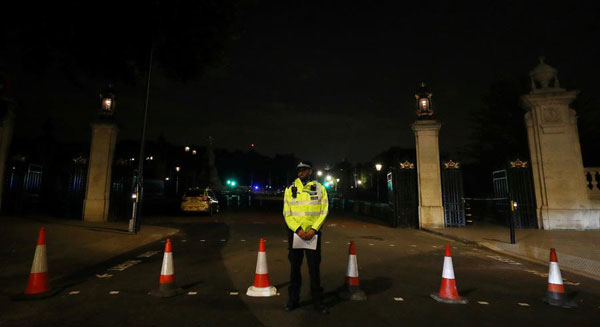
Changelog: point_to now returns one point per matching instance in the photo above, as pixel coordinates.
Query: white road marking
(114, 292)
(148, 254)
(414, 246)
(545, 275)
(435, 246)
(371, 244)
(73, 292)
(523, 304)
(332, 225)
(234, 293)
(184, 240)
(202, 240)
(104, 276)
(505, 260)
(392, 245)
(327, 242)
(284, 241)
(399, 299)
(125, 265)
(243, 240)
(483, 302)
(192, 293)
(223, 240)
(278, 294)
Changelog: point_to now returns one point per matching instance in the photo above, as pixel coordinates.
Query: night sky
(334, 81)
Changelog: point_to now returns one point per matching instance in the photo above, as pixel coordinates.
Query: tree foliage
(112, 39)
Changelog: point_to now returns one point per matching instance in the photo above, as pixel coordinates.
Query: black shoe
(322, 309)
(290, 306)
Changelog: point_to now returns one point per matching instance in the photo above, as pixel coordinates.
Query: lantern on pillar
(424, 107)
(107, 104)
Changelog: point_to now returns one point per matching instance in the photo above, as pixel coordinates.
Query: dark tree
(111, 40)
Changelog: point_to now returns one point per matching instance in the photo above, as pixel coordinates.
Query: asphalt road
(215, 259)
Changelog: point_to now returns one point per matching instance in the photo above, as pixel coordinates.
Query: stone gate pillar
(7, 122)
(561, 195)
(426, 129)
(104, 137)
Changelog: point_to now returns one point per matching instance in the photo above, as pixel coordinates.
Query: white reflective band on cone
(554, 276)
(352, 266)
(261, 263)
(39, 260)
(448, 271)
(167, 267)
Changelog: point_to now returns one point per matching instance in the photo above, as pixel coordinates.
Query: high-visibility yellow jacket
(308, 209)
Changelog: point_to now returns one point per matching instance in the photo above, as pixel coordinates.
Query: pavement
(578, 251)
(72, 247)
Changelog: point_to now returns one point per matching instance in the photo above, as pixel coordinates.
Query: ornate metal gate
(515, 183)
(452, 194)
(403, 195)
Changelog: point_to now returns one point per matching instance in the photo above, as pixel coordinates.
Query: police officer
(305, 208)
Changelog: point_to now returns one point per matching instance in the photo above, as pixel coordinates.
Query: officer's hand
(301, 234)
(309, 235)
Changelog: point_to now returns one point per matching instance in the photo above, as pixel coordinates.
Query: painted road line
(234, 293)
(398, 299)
(331, 225)
(505, 260)
(371, 244)
(434, 246)
(192, 293)
(414, 246)
(392, 245)
(284, 241)
(523, 304)
(147, 254)
(104, 276)
(114, 292)
(74, 292)
(125, 265)
(242, 240)
(545, 275)
(184, 240)
(202, 240)
(327, 242)
(483, 302)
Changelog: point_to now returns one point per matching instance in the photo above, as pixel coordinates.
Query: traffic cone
(448, 292)
(556, 291)
(262, 287)
(351, 289)
(38, 278)
(166, 286)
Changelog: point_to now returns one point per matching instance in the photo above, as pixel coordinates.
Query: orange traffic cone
(448, 292)
(556, 291)
(166, 287)
(351, 289)
(262, 287)
(38, 278)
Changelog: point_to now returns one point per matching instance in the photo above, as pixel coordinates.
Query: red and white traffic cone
(261, 287)
(351, 289)
(555, 295)
(38, 278)
(166, 287)
(448, 292)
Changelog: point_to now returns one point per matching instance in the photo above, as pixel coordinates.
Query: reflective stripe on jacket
(309, 208)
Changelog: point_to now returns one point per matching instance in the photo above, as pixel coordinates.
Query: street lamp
(378, 167)
(177, 169)
(107, 104)
(319, 173)
(187, 149)
(328, 178)
(424, 107)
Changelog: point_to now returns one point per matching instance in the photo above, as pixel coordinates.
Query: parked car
(200, 200)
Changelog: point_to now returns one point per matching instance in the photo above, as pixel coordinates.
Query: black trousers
(313, 259)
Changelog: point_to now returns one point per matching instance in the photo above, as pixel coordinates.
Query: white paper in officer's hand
(299, 243)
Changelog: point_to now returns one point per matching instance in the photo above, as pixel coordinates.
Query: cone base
(261, 291)
(558, 300)
(353, 293)
(38, 296)
(460, 300)
(166, 291)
